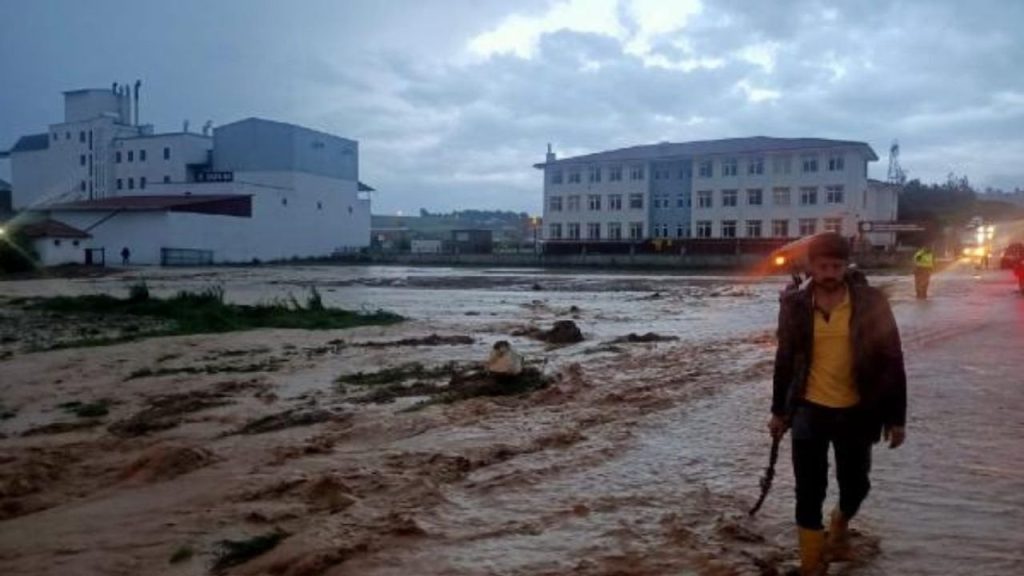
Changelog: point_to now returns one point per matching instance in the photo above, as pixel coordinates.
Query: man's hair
(829, 245)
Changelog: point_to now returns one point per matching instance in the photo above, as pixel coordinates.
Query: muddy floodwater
(640, 456)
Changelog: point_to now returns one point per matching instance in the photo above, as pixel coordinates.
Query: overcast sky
(452, 101)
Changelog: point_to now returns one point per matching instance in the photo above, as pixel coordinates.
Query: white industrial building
(249, 190)
(742, 188)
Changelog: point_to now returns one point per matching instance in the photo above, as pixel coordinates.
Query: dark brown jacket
(877, 356)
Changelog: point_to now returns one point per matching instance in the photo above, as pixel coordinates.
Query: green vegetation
(181, 554)
(87, 410)
(204, 312)
(235, 552)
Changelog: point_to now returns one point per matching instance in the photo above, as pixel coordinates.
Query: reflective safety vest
(924, 259)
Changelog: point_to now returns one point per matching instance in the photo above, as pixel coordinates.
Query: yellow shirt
(830, 382)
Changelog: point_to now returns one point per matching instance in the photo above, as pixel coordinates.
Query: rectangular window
(780, 196)
(704, 169)
(810, 163)
(808, 196)
(167, 179)
(680, 201)
(131, 155)
(131, 183)
(780, 228)
(834, 225)
(142, 183)
(167, 153)
(81, 160)
(636, 230)
(81, 185)
(729, 167)
(555, 203)
(574, 230)
(808, 226)
(90, 139)
(661, 231)
(615, 174)
(703, 228)
(593, 231)
(729, 198)
(595, 174)
(594, 202)
(836, 163)
(753, 228)
(81, 136)
(615, 230)
(556, 176)
(574, 203)
(574, 176)
(755, 166)
(636, 201)
(834, 195)
(117, 157)
(615, 201)
(142, 155)
(704, 199)
(728, 228)
(681, 231)
(781, 164)
(120, 184)
(636, 172)
(555, 231)
(754, 197)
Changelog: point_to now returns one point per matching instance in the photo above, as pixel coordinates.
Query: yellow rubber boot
(812, 552)
(838, 542)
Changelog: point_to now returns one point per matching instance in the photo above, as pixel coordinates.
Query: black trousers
(922, 277)
(814, 429)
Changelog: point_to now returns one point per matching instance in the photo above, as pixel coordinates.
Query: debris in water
(504, 360)
(633, 338)
(287, 419)
(235, 552)
(563, 332)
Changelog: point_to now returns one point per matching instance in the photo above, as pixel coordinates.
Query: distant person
(839, 381)
(924, 265)
(126, 256)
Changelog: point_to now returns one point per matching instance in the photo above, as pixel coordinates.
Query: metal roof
(140, 203)
(50, 228)
(672, 150)
(366, 188)
(31, 142)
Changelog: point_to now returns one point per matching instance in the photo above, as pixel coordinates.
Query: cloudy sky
(454, 100)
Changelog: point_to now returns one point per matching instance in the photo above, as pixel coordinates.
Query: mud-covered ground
(638, 458)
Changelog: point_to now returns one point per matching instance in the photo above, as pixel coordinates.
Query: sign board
(215, 176)
(868, 227)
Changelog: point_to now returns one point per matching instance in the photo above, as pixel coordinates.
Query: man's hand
(777, 426)
(894, 435)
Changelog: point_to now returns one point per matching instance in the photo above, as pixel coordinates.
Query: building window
(808, 196)
(117, 156)
(595, 174)
(729, 167)
(780, 196)
(556, 176)
(808, 226)
(753, 228)
(703, 228)
(636, 173)
(120, 184)
(142, 155)
(681, 231)
(615, 174)
(555, 204)
(574, 176)
(680, 201)
(754, 197)
(836, 163)
(74, 243)
(684, 174)
(594, 202)
(574, 203)
(636, 201)
(284, 201)
(781, 164)
(56, 241)
(131, 183)
(167, 179)
(81, 137)
(67, 135)
(81, 160)
(810, 163)
(729, 198)
(142, 182)
(90, 139)
(593, 230)
(167, 153)
(81, 185)
(615, 202)
(574, 231)
(834, 195)
(704, 169)
(131, 155)
(636, 230)
(704, 199)
(319, 205)
(555, 231)
(780, 228)
(615, 230)
(660, 231)
(756, 165)
(728, 228)
(834, 225)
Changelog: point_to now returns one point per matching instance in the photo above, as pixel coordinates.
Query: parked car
(1012, 256)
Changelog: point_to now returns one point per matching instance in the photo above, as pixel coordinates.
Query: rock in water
(564, 332)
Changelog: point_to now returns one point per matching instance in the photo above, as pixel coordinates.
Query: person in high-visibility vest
(924, 265)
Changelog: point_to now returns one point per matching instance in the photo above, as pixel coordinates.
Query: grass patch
(205, 312)
(235, 552)
(181, 554)
(87, 409)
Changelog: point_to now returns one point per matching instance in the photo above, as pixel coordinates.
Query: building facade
(250, 190)
(744, 188)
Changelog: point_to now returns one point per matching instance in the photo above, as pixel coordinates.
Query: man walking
(924, 265)
(839, 381)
